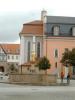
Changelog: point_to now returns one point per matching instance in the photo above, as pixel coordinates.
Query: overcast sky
(13, 13)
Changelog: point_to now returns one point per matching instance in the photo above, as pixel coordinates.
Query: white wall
(23, 48)
(14, 59)
(2, 55)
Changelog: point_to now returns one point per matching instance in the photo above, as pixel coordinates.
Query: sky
(14, 13)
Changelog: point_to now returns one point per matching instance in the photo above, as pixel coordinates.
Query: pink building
(49, 37)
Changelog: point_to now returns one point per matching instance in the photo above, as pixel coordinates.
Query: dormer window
(56, 30)
(73, 31)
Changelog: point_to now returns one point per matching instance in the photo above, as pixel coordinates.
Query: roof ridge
(34, 22)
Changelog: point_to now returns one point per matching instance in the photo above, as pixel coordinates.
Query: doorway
(1, 69)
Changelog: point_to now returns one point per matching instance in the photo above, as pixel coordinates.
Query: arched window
(56, 53)
(38, 50)
(28, 49)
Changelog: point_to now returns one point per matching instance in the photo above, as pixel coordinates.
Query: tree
(12, 68)
(68, 57)
(43, 64)
(72, 57)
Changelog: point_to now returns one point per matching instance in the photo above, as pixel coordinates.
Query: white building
(9, 54)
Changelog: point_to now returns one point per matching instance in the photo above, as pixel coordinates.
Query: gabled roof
(34, 27)
(11, 48)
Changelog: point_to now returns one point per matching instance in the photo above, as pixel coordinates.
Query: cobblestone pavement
(16, 92)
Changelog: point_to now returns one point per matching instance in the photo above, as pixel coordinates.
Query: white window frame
(56, 30)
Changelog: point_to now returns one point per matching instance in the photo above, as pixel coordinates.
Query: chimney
(43, 14)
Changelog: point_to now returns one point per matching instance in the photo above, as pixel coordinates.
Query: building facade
(49, 37)
(9, 54)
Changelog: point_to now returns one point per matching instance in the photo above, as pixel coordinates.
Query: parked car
(1, 75)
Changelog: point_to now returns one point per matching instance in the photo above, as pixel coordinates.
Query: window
(28, 56)
(56, 30)
(8, 57)
(16, 57)
(38, 50)
(12, 57)
(56, 53)
(56, 64)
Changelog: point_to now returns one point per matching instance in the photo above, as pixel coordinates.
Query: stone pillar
(22, 50)
(33, 54)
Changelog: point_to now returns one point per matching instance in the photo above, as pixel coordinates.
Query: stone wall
(33, 79)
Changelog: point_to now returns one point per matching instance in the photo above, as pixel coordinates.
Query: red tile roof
(38, 22)
(11, 48)
(34, 27)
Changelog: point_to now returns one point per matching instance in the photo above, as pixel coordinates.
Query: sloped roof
(38, 22)
(11, 48)
(2, 49)
(60, 19)
(34, 27)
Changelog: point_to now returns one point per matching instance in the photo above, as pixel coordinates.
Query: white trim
(24, 34)
(55, 38)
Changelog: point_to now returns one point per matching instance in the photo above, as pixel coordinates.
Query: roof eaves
(3, 49)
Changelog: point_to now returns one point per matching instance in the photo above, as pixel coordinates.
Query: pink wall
(59, 43)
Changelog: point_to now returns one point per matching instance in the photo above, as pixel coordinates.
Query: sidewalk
(72, 82)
